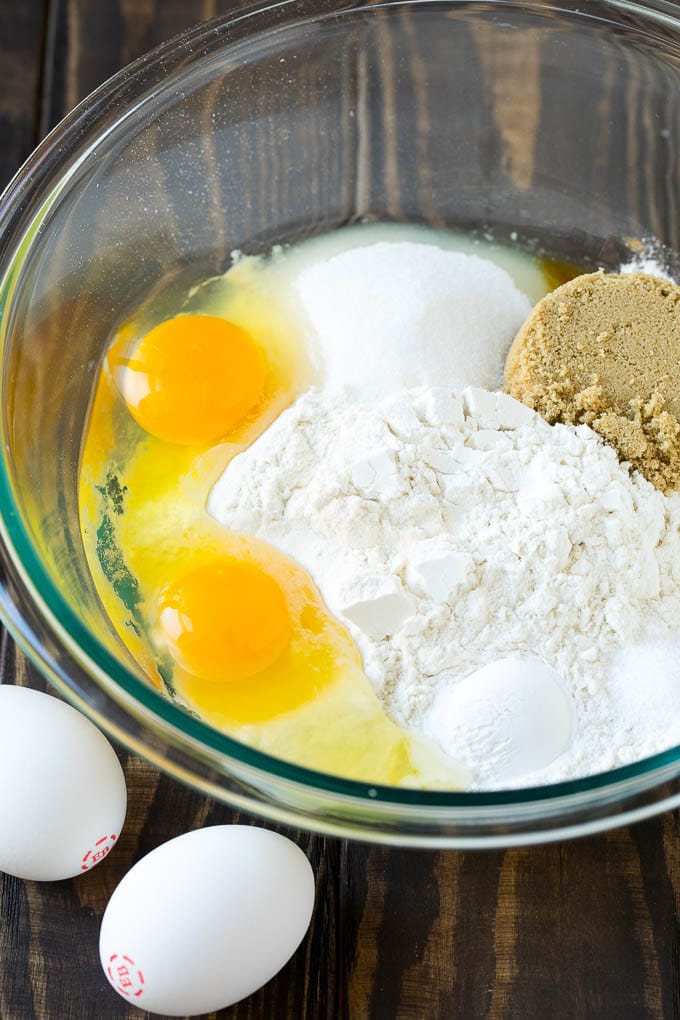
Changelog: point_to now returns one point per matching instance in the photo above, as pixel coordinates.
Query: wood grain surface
(586, 929)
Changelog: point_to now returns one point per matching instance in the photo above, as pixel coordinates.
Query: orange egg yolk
(193, 379)
(225, 621)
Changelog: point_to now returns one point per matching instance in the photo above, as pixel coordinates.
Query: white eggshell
(62, 790)
(206, 919)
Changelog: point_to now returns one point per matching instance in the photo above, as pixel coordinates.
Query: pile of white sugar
(395, 315)
(458, 536)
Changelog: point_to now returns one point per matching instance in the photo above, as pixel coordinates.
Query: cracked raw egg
(244, 626)
(192, 380)
(225, 621)
(227, 625)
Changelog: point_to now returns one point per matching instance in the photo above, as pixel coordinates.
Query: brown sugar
(604, 350)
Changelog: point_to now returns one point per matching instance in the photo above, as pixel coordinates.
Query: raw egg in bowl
(230, 628)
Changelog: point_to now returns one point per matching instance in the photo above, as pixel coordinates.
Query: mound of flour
(450, 531)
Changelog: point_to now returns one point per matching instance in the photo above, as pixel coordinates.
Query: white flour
(451, 532)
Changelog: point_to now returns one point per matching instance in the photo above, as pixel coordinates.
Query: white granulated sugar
(650, 259)
(650, 266)
(450, 532)
(366, 305)
(643, 682)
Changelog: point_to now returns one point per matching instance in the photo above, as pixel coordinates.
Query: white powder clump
(449, 532)
(366, 305)
(643, 682)
(510, 718)
(652, 259)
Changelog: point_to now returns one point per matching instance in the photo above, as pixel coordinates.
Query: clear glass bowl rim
(34, 186)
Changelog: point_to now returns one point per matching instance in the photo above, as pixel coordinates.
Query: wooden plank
(22, 28)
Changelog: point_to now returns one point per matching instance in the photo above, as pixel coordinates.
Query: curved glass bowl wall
(554, 125)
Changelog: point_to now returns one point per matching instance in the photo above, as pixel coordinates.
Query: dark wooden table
(586, 929)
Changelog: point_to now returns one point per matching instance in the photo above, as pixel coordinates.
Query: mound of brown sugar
(604, 350)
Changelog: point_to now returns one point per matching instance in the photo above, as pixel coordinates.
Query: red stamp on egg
(125, 975)
(98, 852)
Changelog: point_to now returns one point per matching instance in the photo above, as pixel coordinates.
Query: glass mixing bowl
(554, 124)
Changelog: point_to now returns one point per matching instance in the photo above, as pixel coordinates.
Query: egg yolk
(193, 379)
(225, 621)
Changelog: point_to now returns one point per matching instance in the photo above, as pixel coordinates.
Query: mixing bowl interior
(544, 126)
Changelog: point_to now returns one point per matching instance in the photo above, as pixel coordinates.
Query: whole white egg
(62, 790)
(206, 919)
